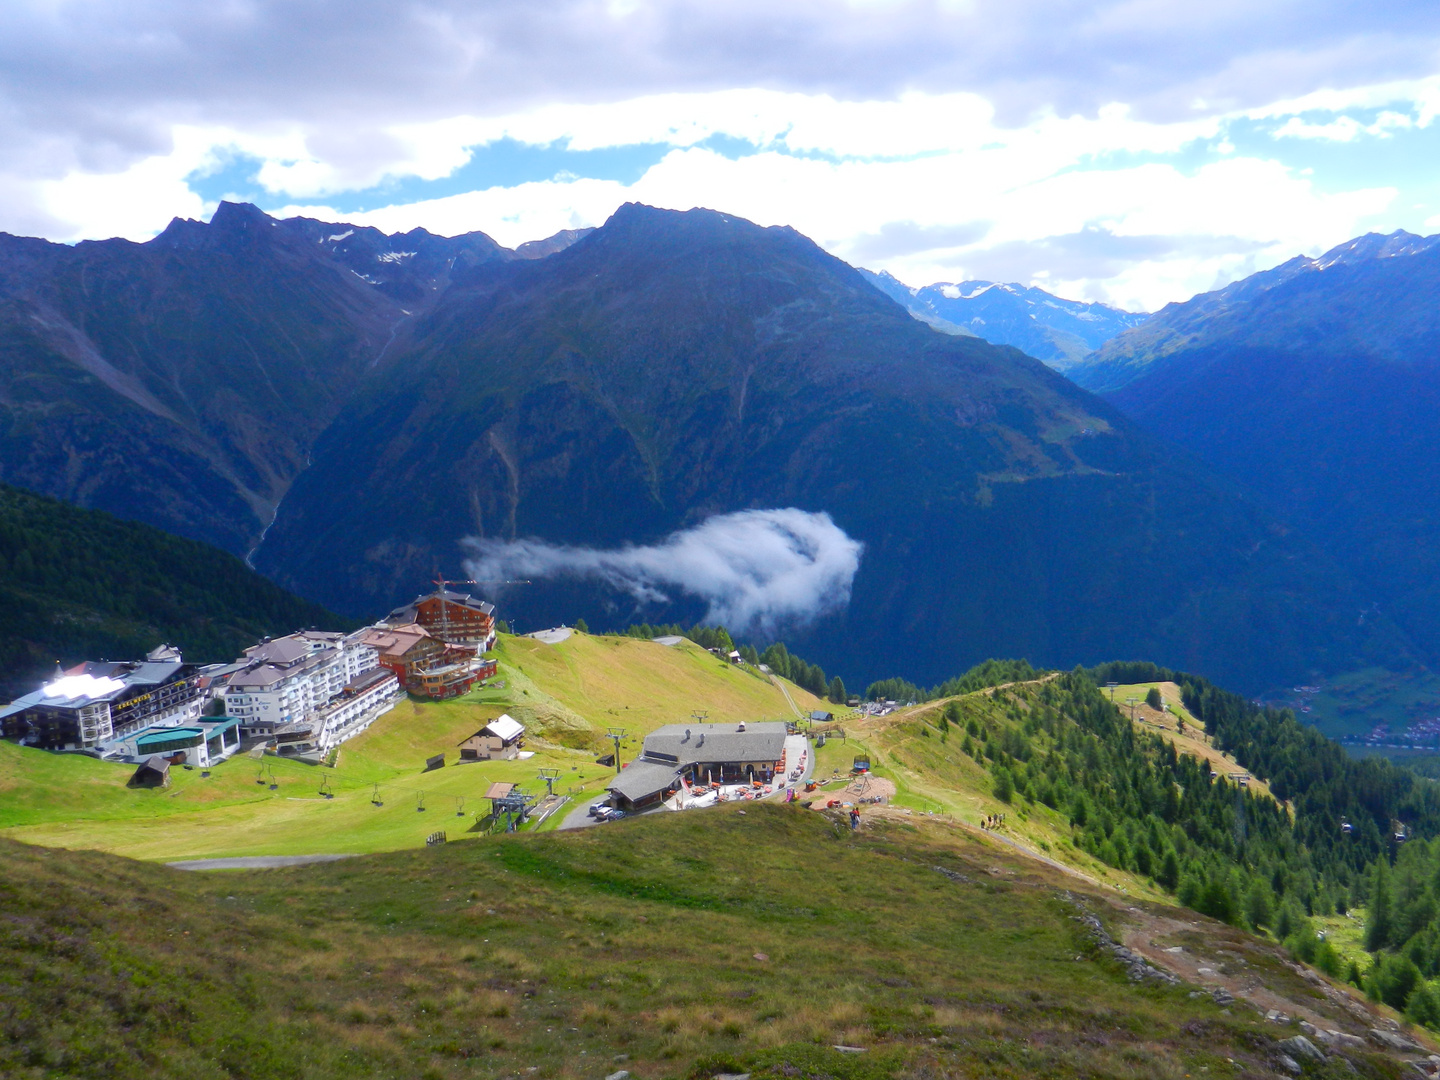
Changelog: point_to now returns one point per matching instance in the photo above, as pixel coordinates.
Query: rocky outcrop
(1136, 966)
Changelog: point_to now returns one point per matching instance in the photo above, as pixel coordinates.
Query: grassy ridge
(679, 945)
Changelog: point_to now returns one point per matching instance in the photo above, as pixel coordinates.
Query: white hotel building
(309, 691)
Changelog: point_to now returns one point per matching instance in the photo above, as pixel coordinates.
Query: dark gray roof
(282, 651)
(641, 778)
(712, 743)
(104, 669)
(19, 705)
(467, 600)
(409, 611)
(262, 676)
(367, 679)
(153, 672)
(216, 671)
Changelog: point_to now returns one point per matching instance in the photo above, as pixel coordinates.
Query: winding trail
(779, 682)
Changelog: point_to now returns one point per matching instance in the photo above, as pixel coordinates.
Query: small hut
(154, 772)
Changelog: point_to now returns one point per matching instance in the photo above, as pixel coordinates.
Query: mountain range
(1314, 386)
(1060, 332)
(183, 381)
(348, 407)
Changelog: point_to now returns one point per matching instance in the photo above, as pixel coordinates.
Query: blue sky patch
(503, 163)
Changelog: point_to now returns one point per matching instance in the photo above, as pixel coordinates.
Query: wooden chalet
(456, 618)
(499, 740)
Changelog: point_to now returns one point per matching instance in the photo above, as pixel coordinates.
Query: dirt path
(1297, 999)
(254, 862)
(786, 691)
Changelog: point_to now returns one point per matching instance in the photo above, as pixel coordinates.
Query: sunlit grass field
(567, 695)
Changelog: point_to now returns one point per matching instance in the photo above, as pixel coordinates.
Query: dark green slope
(1317, 388)
(82, 585)
(671, 366)
(183, 381)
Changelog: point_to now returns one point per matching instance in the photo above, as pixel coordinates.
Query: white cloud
(1226, 218)
(979, 139)
(758, 570)
(132, 204)
(1345, 128)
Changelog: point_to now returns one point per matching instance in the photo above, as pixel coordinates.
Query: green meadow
(568, 696)
(766, 939)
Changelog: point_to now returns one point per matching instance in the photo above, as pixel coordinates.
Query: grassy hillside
(567, 695)
(80, 584)
(670, 946)
(756, 938)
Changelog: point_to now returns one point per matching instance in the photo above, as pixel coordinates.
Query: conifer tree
(1379, 923)
(1169, 875)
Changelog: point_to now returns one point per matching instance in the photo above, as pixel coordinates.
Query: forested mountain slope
(1315, 386)
(183, 381)
(670, 366)
(82, 585)
(635, 380)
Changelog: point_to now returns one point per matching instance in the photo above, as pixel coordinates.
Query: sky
(1130, 151)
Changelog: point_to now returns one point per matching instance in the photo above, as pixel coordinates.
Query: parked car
(601, 811)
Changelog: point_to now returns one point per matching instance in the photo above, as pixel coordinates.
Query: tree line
(81, 584)
(1369, 830)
